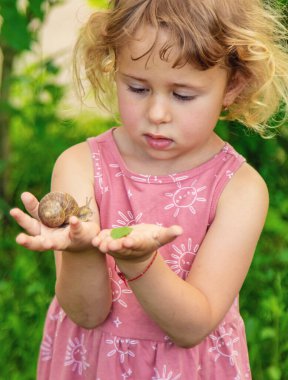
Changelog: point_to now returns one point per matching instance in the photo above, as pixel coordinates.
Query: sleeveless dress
(129, 345)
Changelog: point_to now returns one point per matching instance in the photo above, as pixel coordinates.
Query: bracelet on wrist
(126, 280)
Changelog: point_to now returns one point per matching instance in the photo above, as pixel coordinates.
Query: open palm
(140, 243)
(76, 236)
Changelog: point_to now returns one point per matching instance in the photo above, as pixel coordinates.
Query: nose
(159, 110)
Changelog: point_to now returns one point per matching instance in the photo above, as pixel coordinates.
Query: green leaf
(14, 30)
(119, 232)
(37, 8)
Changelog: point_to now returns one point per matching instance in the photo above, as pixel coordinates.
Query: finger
(166, 235)
(159, 238)
(31, 204)
(34, 243)
(32, 226)
(117, 245)
(104, 235)
(76, 227)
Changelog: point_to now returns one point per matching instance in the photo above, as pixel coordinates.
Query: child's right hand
(76, 236)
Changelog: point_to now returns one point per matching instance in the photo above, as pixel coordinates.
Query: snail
(55, 209)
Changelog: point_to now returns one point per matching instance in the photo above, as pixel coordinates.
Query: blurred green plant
(264, 302)
(32, 135)
(98, 3)
(38, 134)
(20, 23)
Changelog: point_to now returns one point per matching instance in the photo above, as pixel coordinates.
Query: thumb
(166, 235)
(31, 204)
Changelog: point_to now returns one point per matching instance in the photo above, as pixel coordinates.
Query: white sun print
(182, 258)
(128, 219)
(165, 375)
(147, 178)
(98, 175)
(229, 174)
(223, 345)
(76, 355)
(119, 172)
(177, 179)
(121, 348)
(47, 348)
(57, 316)
(117, 290)
(185, 198)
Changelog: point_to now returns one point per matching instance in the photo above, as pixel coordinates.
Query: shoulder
(246, 191)
(246, 181)
(74, 162)
(75, 153)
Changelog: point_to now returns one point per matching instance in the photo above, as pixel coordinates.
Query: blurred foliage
(263, 301)
(37, 133)
(98, 3)
(28, 16)
(20, 23)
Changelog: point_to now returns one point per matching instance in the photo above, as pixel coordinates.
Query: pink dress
(129, 345)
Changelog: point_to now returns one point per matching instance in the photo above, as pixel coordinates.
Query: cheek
(208, 110)
(129, 112)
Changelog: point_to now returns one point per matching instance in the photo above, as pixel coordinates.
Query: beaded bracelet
(126, 280)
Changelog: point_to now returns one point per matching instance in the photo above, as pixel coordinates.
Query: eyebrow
(175, 84)
(128, 76)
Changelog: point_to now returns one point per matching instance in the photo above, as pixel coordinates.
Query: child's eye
(183, 98)
(138, 90)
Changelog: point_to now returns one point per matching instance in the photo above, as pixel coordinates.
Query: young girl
(162, 302)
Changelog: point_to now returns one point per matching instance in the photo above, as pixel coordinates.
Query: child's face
(167, 113)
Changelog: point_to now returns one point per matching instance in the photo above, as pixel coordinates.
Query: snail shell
(55, 209)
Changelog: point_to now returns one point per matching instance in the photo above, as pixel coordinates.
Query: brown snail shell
(55, 209)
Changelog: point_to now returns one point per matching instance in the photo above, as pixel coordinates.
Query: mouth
(158, 142)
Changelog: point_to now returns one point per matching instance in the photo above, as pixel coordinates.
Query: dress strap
(99, 186)
(232, 161)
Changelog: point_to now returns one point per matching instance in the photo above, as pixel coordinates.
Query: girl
(162, 302)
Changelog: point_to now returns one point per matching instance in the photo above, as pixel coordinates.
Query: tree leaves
(14, 31)
(19, 24)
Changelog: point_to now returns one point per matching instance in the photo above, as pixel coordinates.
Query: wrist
(90, 255)
(130, 271)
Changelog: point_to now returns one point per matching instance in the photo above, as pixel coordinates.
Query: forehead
(149, 45)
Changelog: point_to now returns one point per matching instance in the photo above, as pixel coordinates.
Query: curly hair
(244, 36)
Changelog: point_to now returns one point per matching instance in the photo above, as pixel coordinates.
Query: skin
(182, 107)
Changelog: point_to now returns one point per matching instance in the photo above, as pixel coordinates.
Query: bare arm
(82, 281)
(189, 310)
(82, 285)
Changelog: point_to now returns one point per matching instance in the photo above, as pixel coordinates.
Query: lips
(158, 141)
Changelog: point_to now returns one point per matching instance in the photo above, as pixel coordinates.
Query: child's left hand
(142, 241)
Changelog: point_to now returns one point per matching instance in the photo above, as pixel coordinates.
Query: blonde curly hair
(244, 36)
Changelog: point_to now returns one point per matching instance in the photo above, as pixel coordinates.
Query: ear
(234, 87)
